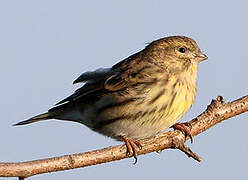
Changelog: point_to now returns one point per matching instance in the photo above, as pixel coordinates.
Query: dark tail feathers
(37, 118)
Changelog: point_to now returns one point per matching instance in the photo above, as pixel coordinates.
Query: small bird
(141, 96)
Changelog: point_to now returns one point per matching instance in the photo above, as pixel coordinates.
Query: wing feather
(94, 76)
(120, 76)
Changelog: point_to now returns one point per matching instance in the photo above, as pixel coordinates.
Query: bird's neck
(190, 73)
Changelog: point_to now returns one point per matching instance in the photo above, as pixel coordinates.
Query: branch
(216, 112)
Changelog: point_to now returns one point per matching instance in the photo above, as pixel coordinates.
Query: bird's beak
(200, 56)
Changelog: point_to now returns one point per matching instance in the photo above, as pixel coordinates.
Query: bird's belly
(156, 114)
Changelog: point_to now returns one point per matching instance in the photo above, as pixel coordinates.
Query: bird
(138, 97)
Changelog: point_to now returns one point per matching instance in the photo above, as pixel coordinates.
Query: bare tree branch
(216, 112)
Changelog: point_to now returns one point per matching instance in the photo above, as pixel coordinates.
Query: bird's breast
(145, 114)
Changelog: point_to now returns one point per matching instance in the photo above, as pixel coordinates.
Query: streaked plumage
(138, 97)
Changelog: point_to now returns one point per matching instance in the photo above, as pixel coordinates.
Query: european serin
(138, 97)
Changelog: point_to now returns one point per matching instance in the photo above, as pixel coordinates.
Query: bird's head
(175, 52)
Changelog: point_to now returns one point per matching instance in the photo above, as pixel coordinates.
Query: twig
(216, 112)
(190, 153)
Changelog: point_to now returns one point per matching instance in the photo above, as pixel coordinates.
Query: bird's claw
(132, 147)
(185, 129)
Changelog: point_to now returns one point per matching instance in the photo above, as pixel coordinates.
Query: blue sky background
(45, 45)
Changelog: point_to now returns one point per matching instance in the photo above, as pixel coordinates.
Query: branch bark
(216, 112)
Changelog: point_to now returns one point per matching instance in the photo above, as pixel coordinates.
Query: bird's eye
(182, 50)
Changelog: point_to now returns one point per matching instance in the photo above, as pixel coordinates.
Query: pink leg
(132, 147)
(185, 128)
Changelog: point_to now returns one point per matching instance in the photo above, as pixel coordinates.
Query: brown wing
(131, 71)
(94, 81)
(122, 75)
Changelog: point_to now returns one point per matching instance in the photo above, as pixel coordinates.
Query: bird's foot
(132, 147)
(184, 128)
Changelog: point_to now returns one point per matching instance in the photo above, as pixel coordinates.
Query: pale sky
(46, 44)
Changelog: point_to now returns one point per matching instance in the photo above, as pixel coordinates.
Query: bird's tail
(37, 118)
